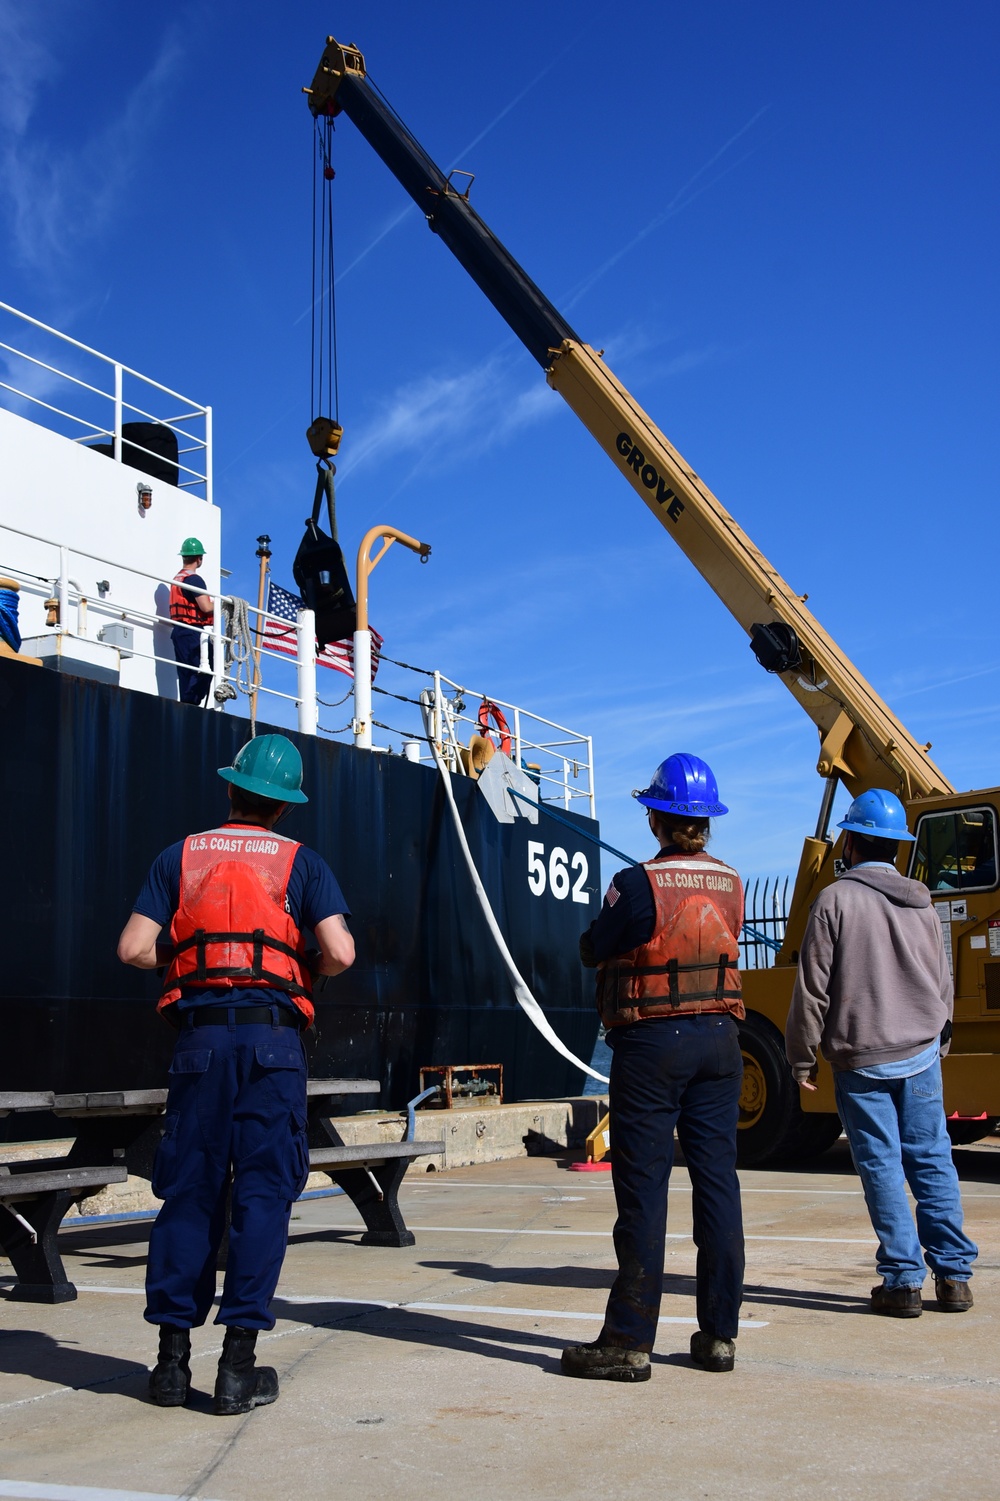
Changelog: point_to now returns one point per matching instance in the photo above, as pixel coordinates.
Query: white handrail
(564, 757)
(107, 358)
(123, 401)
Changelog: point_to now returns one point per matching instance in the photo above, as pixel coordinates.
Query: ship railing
(253, 651)
(764, 922)
(90, 398)
(239, 661)
(558, 759)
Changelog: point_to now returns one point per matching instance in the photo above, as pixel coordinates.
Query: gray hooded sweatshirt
(873, 984)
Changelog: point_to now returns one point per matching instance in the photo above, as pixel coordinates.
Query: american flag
(281, 637)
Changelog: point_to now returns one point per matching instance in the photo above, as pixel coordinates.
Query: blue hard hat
(683, 784)
(877, 814)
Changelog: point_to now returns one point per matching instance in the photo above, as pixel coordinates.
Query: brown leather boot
(897, 1302)
(952, 1296)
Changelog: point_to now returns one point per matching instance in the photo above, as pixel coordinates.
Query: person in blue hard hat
(191, 612)
(873, 993)
(237, 901)
(666, 948)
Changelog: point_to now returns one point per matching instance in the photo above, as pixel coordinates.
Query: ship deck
(434, 1371)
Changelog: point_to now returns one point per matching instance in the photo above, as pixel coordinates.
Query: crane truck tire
(964, 1132)
(773, 1129)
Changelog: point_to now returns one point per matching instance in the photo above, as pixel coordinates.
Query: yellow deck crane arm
(861, 742)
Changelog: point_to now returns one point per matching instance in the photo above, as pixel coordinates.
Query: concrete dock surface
(434, 1371)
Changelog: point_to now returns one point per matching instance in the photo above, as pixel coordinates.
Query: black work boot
(713, 1354)
(170, 1378)
(599, 1362)
(897, 1302)
(240, 1384)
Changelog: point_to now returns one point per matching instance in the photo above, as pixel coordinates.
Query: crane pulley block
(323, 436)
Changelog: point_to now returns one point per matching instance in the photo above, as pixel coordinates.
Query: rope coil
(10, 632)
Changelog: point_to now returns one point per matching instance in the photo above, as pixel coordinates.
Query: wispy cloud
(24, 62)
(442, 418)
(693, 188)
(461, 157)
(56, 198)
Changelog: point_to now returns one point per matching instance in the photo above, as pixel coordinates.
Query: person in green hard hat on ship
(237, 901)
(191, 611)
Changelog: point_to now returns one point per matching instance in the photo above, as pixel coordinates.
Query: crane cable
(524, 997)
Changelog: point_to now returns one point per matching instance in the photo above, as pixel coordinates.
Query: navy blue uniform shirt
(312, 895)
(627, 917)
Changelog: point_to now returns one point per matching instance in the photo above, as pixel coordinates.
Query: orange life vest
(691, 963)
(184, 604)
(231, 927)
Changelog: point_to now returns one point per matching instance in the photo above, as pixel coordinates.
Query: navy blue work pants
(236, 1111)
(192, 685)
(666, 1073)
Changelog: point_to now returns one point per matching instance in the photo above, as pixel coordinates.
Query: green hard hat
(192, 548)
(271, 766)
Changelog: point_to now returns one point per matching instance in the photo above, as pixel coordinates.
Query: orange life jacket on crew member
(691, 962)
(184, 604)
(231, 927)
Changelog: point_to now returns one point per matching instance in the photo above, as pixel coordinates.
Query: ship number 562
(557, 873)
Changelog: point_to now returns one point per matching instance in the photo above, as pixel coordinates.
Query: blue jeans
(897, 1132)
(236, 1111)
(666, 1073)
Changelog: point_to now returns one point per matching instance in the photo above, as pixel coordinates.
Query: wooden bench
(42, 1189)
(117, 1133)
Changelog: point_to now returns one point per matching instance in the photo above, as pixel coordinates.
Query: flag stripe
(282, 637)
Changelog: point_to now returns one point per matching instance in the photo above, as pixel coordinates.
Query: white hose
(525, 999)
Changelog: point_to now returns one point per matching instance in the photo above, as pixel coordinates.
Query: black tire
(964, 1133)
(767, 1101)
(773, 1128)
(812, 1134)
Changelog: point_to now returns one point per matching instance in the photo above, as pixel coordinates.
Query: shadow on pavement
(26, 1352)
(599, 1279)
(420, 1328)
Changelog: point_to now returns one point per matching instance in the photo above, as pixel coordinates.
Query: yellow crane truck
(861, 742)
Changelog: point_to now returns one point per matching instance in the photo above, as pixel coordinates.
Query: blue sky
(780, 222)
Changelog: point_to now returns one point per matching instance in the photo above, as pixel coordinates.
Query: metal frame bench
(370, 1173)
(117, 1133)
(43, 1189)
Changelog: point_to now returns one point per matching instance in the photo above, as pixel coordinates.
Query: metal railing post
(565, 783)
(118, 413)
(590, 775)
(218, 651)
(363, 689)
(305, 629)
(63, 589)
(438, 724)
(208, 455)
(517, 737)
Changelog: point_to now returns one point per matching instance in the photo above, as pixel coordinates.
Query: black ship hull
(97, 780)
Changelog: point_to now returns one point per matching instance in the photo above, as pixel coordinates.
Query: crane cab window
(956, 851)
